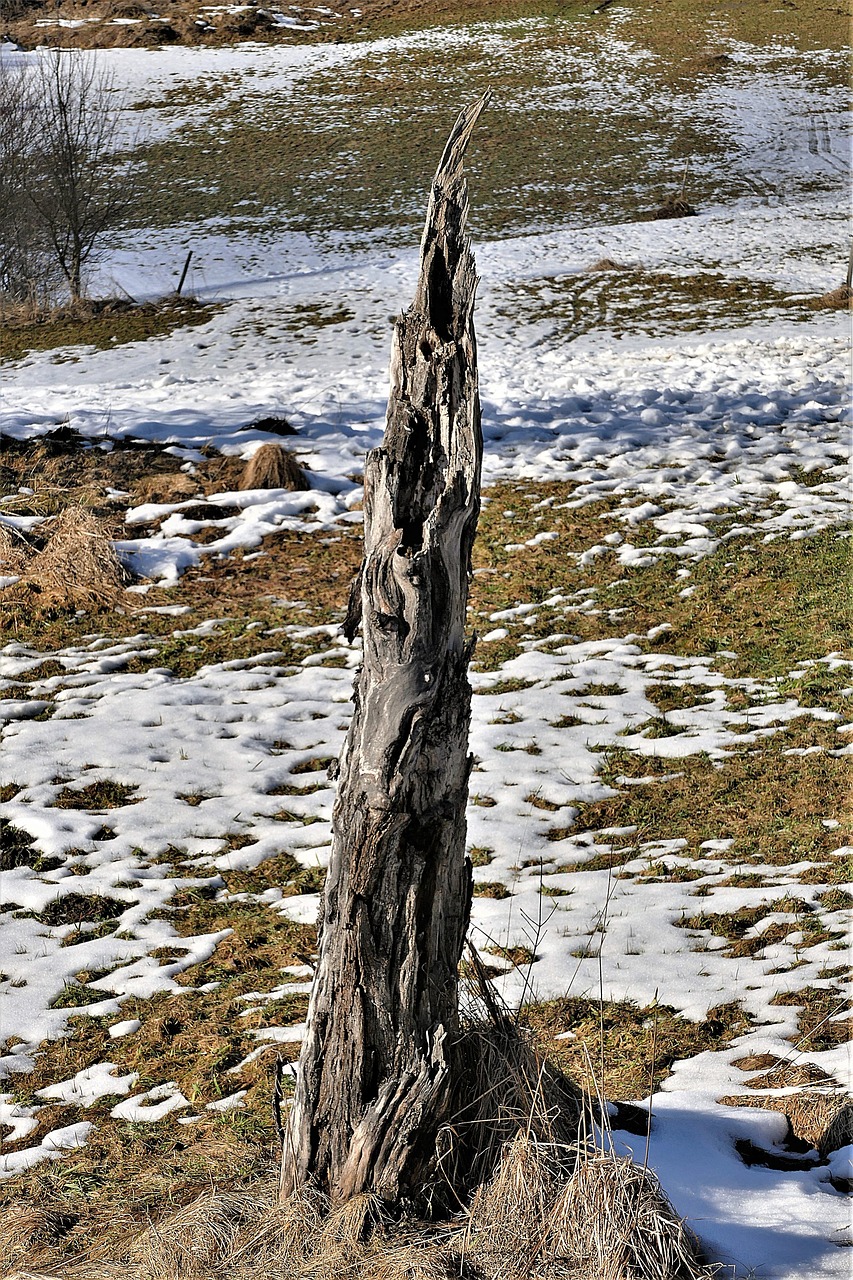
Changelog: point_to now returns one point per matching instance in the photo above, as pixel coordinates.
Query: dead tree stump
(374, 1082)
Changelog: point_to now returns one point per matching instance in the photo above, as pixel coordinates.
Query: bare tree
(376, 1070)
(28, 270)
(68, 179)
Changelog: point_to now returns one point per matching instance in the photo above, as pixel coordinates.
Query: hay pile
(77, 568)
(273, 467)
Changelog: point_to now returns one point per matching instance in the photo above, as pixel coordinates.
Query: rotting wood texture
(373, 1083)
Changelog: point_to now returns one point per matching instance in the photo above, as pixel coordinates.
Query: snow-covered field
(698, 438)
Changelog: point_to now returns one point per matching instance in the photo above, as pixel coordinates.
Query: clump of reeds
(77, 568)
(273, 467)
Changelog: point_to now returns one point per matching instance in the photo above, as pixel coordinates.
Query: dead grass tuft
(511, 1213)
(273, 467)
(503, 1085)
(28, 1230)
(76, 569)
(674, 207)
(172, 487)
(840, 299)
(605, 264)
(614, 1219)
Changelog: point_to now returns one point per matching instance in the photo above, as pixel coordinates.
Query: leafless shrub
(61, 191)
(29, 274)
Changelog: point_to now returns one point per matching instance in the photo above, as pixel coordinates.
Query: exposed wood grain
(373, 1084)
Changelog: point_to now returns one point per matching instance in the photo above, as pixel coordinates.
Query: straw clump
(172, 487)
(249, 1236)
(273, 467)
(674, 207)
(28, 1233)
(76, 569)
(196, 1238)
(614, 1221)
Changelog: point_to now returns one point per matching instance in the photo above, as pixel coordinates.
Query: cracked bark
(374, 1079)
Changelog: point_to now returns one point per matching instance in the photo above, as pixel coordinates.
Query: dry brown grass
(546, 1212)
(823, 1120)
(172, 487)
(15, 552)
(76, 569)
(840, 299)
(31, 1232)
(674, 207)
(273, 467)
(614, 1220)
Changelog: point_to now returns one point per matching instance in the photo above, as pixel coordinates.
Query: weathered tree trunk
(373, 1084)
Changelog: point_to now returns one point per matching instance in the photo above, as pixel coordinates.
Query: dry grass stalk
(273, 467)
(77, 568)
